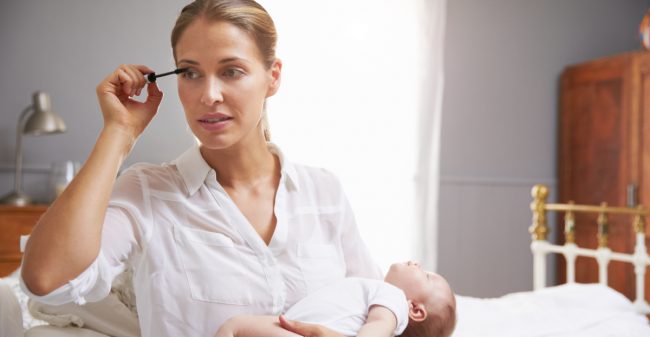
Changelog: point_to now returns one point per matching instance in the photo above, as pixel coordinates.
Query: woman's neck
(242, 165)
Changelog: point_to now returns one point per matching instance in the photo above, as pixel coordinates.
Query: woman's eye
(190, 75)
(233, 73)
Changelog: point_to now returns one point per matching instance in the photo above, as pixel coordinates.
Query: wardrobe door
(594, 164)
(642, 97)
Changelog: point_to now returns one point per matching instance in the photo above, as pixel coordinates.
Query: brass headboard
(603, 254)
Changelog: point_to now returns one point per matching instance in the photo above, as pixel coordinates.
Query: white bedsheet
(574, 310)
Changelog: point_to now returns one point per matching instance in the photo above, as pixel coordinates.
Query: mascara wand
(152, 76)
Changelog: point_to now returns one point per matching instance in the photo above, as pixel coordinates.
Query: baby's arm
(253, 326)
(380, 322)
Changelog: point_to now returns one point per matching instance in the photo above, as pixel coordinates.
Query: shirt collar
(286, 166)
(194, 170)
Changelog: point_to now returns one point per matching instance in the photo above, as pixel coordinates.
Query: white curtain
(351, 101)
(433, 18)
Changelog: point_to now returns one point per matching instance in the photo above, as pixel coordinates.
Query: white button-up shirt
(196, 259)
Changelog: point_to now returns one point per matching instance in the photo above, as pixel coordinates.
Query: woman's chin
(214, 142)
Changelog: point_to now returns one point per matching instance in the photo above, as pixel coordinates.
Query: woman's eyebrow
(222, 61)
(189, 61)
(231, 59)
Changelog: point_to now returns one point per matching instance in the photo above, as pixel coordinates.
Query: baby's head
(432, 304)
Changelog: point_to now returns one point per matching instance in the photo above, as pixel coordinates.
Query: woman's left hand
(307, 330)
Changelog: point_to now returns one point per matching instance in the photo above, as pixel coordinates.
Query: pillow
(115, 315)
(55, 331)
(11, 320)
(108, 316)
(14, 284)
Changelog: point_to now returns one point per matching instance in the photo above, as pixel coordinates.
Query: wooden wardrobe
(604, 155)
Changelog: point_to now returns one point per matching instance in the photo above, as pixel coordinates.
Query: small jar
(61, 174)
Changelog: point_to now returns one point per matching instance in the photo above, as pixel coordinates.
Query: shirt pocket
(321, 264)
(214, 267)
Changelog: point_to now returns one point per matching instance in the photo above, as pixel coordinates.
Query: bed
(570, 309)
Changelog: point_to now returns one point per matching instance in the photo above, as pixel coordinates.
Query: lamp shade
(37, 119)
(43, 120)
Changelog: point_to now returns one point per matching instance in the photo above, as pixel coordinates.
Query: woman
(230, 227)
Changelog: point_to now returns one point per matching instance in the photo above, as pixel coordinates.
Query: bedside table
(14, 222)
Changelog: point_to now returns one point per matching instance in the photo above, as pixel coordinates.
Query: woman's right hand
(122, 112)
(306, 329)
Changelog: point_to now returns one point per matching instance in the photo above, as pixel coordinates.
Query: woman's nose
(211, 92)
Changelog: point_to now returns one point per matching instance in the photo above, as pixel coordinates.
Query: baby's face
(418, 285)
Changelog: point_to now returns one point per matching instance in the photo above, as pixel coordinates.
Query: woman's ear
(417, 311)
(276, 77)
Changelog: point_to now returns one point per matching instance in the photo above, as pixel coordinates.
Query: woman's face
(224, 89)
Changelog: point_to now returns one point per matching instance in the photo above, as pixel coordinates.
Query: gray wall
(503, 59)
(65, 48)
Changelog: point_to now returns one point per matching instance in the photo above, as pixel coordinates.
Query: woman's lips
(214, 122)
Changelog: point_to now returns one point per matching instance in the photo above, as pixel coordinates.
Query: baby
(409, 302)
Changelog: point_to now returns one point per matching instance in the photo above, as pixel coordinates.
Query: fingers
(154, 95)
(286, 324)
(302, 329)
(290, 325)
(130, 79)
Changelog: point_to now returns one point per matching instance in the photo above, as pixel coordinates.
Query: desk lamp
(37, 119)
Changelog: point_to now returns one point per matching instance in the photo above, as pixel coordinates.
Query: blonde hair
(246, 15)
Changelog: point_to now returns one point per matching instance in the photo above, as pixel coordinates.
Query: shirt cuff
(91, 285)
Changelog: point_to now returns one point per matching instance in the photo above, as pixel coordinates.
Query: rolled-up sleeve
(120, 238)
(91, 285)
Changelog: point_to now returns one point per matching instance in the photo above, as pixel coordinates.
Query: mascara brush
(152, 76)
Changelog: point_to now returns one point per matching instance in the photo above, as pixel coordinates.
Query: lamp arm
(19, 148)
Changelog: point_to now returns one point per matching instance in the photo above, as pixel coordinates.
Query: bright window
(349, 102)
